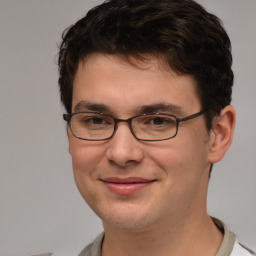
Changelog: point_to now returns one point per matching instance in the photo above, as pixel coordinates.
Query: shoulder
(230, 245)
(94, 248)
(87, 251)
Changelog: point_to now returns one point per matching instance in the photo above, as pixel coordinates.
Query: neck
(194, 238)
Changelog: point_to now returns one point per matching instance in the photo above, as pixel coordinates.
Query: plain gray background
(40, 207)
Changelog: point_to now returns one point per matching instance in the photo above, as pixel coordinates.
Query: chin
(128, 218)
(129, 224)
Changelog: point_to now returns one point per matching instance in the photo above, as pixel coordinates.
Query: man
(147, 88)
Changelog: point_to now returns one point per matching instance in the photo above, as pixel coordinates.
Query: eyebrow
(161, 107)
(86, 105)
(145, 109)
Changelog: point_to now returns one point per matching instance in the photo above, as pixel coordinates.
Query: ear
(69, 135)
(221, 134)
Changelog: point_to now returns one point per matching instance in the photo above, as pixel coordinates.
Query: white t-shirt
(241, 250)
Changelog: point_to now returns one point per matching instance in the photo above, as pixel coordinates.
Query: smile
(126, 186)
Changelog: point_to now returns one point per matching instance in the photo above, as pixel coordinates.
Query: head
(182, 33)
(132, 55)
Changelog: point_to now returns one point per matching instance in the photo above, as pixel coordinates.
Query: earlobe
(221, 134)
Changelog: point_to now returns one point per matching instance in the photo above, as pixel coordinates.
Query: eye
(157, 122)
(92, 121)
(162, 121)
(95, 120)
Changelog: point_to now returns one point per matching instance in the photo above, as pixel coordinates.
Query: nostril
(124, 154)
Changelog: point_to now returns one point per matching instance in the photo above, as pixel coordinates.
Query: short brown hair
(190, 40)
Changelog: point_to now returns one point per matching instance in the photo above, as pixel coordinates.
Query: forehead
(119, 84)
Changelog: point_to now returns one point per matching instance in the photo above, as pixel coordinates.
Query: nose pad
(124, 149)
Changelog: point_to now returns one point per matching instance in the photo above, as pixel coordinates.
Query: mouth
(126, 186)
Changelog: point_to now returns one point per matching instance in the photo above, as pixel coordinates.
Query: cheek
(183, 166)
(182, 157)
(86, 159)
(86, 156)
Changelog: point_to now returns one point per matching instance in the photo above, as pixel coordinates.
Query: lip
(126, 186)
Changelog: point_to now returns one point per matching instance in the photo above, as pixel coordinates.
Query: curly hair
(188, 38)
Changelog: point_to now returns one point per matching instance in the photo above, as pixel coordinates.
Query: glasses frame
(67, 117)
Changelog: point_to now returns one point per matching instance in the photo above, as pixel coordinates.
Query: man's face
(130, 183)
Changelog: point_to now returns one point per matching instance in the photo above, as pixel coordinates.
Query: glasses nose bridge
(120, 120)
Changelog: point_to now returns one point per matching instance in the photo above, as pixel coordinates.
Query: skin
(168, 215)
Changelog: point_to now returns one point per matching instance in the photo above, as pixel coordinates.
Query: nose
(124, 149)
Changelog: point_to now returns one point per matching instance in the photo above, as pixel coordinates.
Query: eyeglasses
(94, 126)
